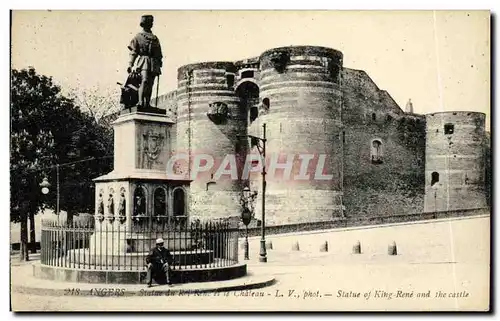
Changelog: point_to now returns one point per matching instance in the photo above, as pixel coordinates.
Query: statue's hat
(146, 19)
(159, 241)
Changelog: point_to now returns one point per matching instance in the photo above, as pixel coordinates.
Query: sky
(439, 59)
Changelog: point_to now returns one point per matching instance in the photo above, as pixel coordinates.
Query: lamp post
(246, 214)
(45, 186)
(45, 189)
(262, 151)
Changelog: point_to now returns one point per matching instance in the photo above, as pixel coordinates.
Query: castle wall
(455, 153)
(318, 107)
(392, 184)
(199, 87)
(303, 117)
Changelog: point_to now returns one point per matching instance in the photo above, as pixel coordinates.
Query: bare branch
(95, 102)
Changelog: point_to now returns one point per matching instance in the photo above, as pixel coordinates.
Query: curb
(158, 290)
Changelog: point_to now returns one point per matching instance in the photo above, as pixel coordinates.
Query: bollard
(356, 249)
(324, 247)
(296, 247)
(269, 245)
(392, 249)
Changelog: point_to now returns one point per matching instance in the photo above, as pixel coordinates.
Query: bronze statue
(145, 60)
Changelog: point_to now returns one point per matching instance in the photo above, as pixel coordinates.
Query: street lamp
(262, 151)
(247, 213)
(45, 186)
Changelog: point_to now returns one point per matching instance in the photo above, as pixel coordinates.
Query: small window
(449, 129)
(376, 152)
(343, 137)
(266, 103)
(434, 178)
(388, 118)
(247, 74)
(230, 80)
(374, 116)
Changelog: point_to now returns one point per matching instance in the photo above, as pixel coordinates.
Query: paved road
(449, 260)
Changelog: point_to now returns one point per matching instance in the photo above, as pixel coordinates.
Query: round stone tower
(454, 168)
(301, 105)
(210, 124)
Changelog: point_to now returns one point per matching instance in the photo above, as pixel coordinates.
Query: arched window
(139, 201)
(266, 103)
(376, 152)
(248, 93)
(179, 202)
(179, 199)
(374, 116)
(160, 202)
(434, 178)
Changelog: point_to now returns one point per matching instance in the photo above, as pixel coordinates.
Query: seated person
(159, 261)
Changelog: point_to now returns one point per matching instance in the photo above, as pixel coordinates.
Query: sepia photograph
(250, 161)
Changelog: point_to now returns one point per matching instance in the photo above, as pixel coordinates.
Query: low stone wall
(361, 221)
(186, 275)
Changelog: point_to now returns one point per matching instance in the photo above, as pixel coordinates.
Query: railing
(105, 245)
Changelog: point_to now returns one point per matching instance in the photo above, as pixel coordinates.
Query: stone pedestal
(138, 193)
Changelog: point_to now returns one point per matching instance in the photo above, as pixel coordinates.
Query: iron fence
(105, 245)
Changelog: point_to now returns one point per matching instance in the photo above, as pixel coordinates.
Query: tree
(47, 128)
(96, 102)
(32, 143)
(103, 107)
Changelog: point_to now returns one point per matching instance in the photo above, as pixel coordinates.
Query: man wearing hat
(145, 59)
(159, 261)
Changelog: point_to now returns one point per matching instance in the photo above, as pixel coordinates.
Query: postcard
(250, 161)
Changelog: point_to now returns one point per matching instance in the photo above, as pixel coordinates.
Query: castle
(384, 160)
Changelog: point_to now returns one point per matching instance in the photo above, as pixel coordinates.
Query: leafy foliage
(48, 129)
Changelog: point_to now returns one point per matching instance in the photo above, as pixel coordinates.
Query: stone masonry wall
(309, 111)
(396, 184)
(455, 166)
